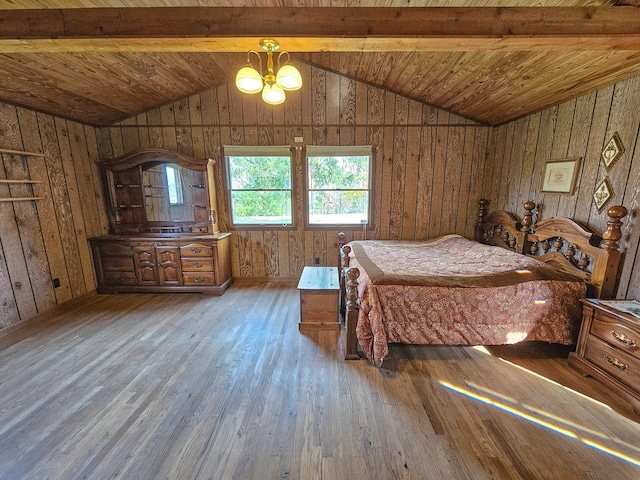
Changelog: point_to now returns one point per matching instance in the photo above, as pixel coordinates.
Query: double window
(260, 180)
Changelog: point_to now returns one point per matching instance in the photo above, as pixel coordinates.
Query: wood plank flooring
(195, 387)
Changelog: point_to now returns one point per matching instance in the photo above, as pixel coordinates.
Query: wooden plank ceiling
(101, 61)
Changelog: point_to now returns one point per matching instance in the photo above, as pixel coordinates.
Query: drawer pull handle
(196, 265)
(195, 250)
(616, 363)
(622, 338)
(198, 280)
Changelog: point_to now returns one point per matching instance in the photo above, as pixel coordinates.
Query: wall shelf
(20, 199)
(20, 181)
(2, 180)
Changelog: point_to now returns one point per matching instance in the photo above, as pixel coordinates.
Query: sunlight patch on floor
(519, 410)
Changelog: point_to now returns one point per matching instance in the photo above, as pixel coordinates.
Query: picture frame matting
(560, 176)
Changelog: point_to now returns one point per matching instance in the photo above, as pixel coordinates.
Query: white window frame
(258, 151)
(338, 151)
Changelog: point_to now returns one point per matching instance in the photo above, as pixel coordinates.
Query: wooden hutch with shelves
(164, 230)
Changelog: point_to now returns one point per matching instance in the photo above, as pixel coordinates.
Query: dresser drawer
(119, 278)
(198, 278)
(617, 334)
(614, 361)
(197, 264)
(115, 250)
(117, 264)
(196, 250)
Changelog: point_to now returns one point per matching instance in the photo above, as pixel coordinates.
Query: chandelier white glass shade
(274, 83)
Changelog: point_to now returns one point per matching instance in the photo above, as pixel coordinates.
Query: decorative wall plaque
(612, 151)
(603, 194)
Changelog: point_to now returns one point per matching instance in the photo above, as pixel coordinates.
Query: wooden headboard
(560, 241)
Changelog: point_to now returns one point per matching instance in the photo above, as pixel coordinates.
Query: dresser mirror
(159, 191)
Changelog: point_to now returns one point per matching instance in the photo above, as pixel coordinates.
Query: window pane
(174, 183)
(338, 172)
(260, 173)
(260, 207)
(260, 187)
(343, 207)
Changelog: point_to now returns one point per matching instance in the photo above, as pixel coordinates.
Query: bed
(515, 282)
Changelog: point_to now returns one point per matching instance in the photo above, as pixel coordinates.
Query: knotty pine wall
(41, 240)
(580, 128)
(428, 164)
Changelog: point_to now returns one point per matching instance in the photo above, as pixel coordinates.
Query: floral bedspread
(455, 291)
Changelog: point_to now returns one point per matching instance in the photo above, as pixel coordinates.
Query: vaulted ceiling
(101, 61)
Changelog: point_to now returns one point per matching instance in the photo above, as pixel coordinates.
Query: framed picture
(602, 195)
(612, 151)
(560, 176)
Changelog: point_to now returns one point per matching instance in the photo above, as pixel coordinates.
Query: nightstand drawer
(614, 361)
(620, 336)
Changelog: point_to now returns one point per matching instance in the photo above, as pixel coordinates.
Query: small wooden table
(319, 297)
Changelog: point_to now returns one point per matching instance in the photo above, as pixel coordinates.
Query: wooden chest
(609, 350)
(319, 299)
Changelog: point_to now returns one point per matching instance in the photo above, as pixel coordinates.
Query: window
(174, 184)
(338, 185)
(259, 185)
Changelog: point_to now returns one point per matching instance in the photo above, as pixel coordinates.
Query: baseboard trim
(42, 316)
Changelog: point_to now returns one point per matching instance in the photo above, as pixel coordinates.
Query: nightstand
(609, 350)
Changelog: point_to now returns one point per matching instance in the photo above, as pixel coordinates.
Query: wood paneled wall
(428, 164)
(43, 240)
(430, 168)
(580, 128)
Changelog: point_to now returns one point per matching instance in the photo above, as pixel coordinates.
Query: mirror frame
(151, 157)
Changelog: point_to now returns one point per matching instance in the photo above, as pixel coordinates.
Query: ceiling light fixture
(273, 85)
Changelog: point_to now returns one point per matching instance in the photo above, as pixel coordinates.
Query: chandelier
(272, 85)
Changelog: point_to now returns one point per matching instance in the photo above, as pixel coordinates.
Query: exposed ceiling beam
(306, 29)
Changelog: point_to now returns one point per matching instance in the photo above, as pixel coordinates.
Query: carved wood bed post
(483, 206)
(342, 239)
(613, 233)
(527, 219)
(609, 243)
(351, 314)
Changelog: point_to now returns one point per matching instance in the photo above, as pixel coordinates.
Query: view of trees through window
(260, 189)
(260, 185)
(174, 184)
(338, 189)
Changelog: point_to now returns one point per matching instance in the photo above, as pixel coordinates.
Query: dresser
(609, 350)
(147, 263)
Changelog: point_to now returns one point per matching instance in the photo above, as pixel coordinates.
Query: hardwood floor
(197, 387)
